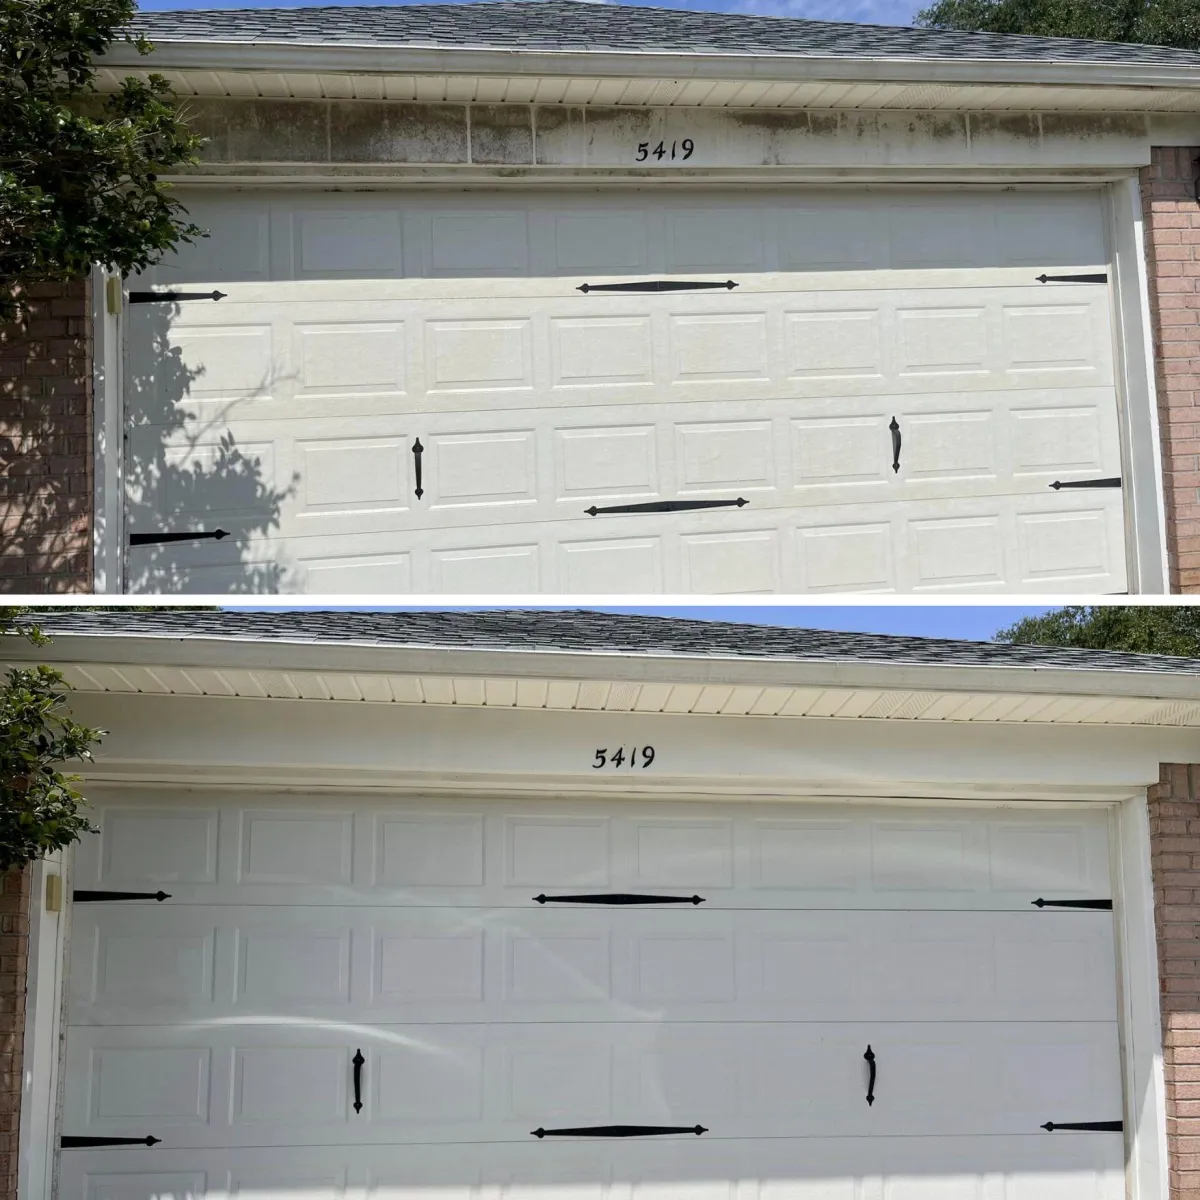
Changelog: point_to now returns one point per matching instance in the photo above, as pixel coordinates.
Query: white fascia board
(375, 659)
(408, 60)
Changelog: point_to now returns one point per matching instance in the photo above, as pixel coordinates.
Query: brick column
(1175, 860)
(1173, 265)
(46, 443)
(14, 962)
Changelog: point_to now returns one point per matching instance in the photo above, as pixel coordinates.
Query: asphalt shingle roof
(583, 631)
(576, 25)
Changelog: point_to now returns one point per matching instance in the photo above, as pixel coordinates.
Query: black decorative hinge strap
(618, 898)
(657, 506)
(1112, 482)
(619, 1131)
(1086, 1126)
(417, 451)
(87, 1143)
(655, 285)
(86, 897)
(171, 297)
(1072, 278)
(161, 539)
(1100, 904)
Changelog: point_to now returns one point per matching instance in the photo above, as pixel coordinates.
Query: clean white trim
(43, 1025)
(108, 430)
(1145, 504)
(1137, 952)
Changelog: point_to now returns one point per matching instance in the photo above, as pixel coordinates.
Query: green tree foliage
(39, 804)
(79, 171)
(1143, 629)
(1151, 22)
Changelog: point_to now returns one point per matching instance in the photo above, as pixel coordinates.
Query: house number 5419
(673, 150)
(639, 756)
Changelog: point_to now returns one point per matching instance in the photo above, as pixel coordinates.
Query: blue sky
(877, 12)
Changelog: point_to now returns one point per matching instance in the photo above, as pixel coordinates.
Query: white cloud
(873, 12)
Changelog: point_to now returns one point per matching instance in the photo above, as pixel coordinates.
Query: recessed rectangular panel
(479, 355)
(346, 245)
(684, 853)
(232, 363)
(809, 969)
(483, 468)
(358, 575)
(932, 970)
(158, 846)
(166, 1084)
(148, 1185)
(834, 345)
(722, 240)
(536, 1084)
(1038, 857)
(277, 1085)
(1051, 229)
(591, 351)
(933, 341)
(296, 847)
(237, 248)
(412, 967)
(1049, 968)
(918, 858)
(807, 855)
(479, 243)
(1055, 441)
(153, 969)
(1049, 337)
(604, 241)
(429, 850)
(488, 570)
(746, 561)
(725, 454)
(956, 550)
(718, 346)
(835, 237)
(361, 475)
(695, 969)
(840, 450)
(949, 445)
(846, 558)
(616, 565)
(281, 968)
(428, 1085)
(1059, 545)
(941, 232)
(285, 1181)
(558, 968)
(198, 470)
(607, 461)
(361, 357)
(544, 851)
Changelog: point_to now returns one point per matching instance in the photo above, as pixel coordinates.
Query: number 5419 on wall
(638, 756)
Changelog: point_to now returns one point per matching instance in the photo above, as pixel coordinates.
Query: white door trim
(108, 431)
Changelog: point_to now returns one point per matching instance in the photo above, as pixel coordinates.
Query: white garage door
(460, 393)
(341, 1002)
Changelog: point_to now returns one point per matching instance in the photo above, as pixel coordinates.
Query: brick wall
(1173, 261)
(1175, 859)
(14, 959)
(46, 444)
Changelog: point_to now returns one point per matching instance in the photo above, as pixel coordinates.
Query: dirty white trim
(107, 433)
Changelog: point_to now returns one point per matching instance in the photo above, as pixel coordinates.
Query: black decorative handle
(618, 898)
(86, 897)
(358, 1061)
(1072, 278)
(619, 1131)
(417, 451)
(655, 285)
(1100, 904)
(171, 297)
(895, 428)
(87, 1143)
(662, 506)
(870, 1057)
(161, 539)
(1086, 1126)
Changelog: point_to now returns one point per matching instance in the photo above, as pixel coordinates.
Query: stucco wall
(46, 443)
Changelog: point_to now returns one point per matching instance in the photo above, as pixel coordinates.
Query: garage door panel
(272, 1085)
(155, 966)
(305, 851)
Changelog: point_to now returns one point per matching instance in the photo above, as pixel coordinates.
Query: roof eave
(184, 54)
(374, 658)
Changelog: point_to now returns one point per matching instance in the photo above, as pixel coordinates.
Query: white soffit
(641, 92)
(599, 695)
